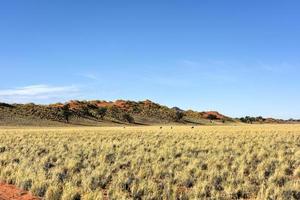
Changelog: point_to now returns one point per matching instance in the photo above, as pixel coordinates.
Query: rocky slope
(102, 113)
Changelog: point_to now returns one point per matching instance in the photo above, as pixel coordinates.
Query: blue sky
(236, 57)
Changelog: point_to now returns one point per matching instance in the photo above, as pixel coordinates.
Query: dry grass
(229, 162)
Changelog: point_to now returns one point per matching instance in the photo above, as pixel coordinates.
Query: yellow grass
(221, 162)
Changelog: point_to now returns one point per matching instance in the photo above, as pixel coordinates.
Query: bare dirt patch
(11, 192)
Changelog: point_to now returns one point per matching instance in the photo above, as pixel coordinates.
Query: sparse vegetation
(224, 162)
(95, 112)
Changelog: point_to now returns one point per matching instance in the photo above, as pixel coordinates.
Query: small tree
(101, 112)
(248, 119)
(66, 112)
(179, 115)
(212, 117)
(128, 118)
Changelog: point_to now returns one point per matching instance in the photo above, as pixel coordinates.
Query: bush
(65, 112)
(101, 112)
(212, 117)
(128, 118)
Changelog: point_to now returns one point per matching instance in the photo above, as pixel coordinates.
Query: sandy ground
(10, 192)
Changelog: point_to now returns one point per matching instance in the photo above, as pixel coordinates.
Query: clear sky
(237, 57)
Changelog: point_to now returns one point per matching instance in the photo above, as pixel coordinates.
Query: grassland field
(207, 162)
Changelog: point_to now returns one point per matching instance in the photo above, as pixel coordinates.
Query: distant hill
(97, 113)
(261, 120)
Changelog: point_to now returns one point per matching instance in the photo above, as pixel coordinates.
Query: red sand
(11, 192)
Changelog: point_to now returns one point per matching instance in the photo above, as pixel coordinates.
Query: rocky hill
(104, 113)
